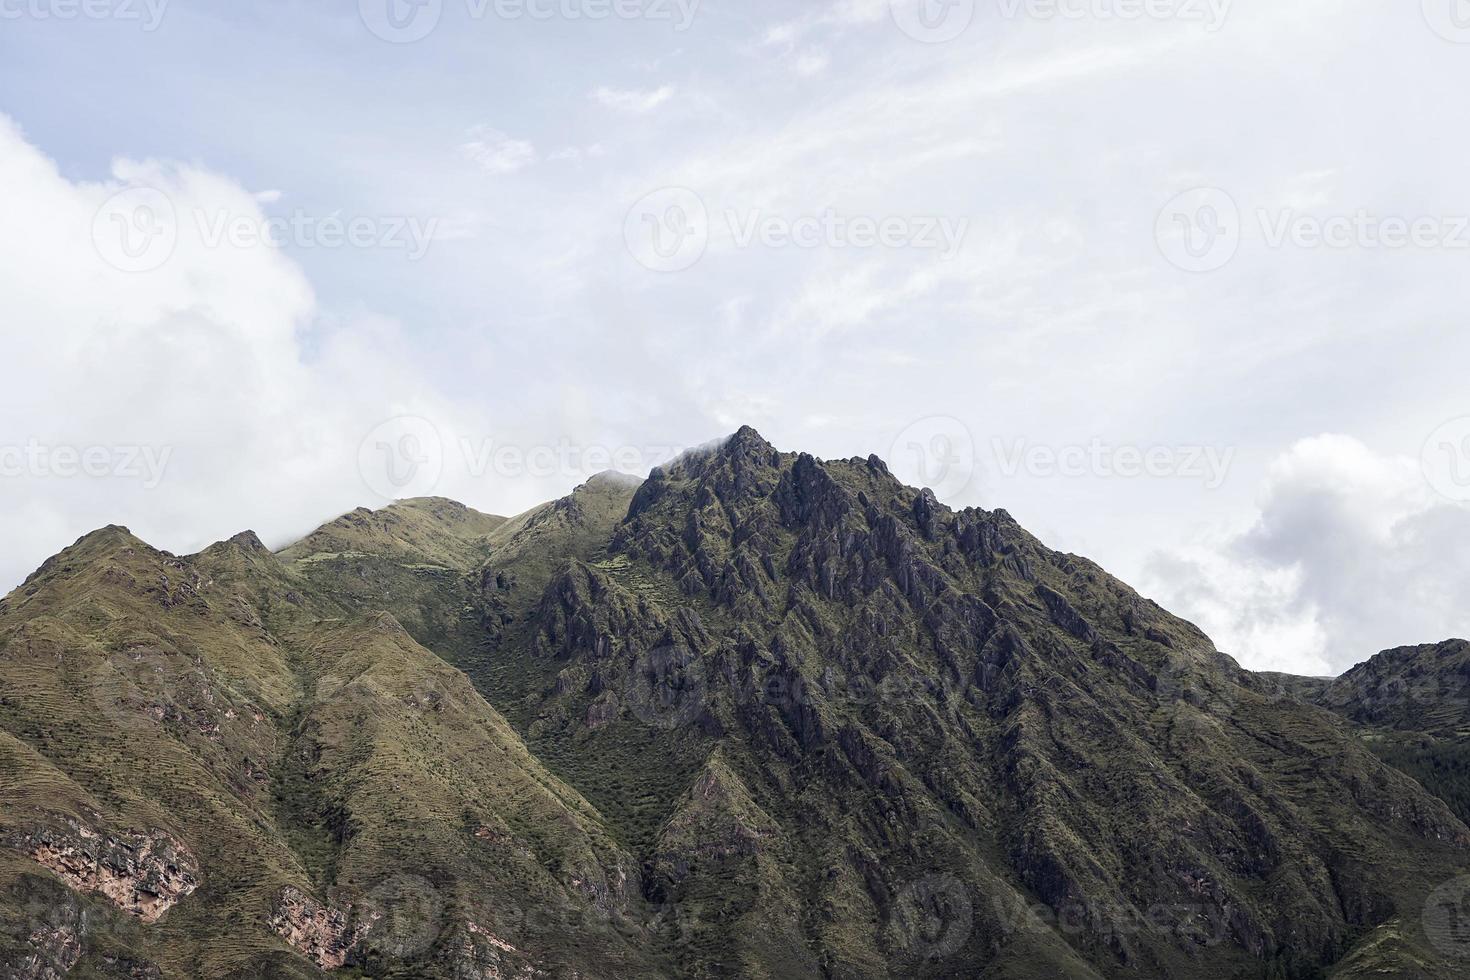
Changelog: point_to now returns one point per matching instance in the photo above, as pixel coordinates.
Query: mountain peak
(246, 543)
(747, 439)
(615, 479)
(248, 540)
(112, 537)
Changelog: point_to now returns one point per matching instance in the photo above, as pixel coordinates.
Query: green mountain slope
(209, 772)
(760, 715)
(927, 716)
(1411, 705)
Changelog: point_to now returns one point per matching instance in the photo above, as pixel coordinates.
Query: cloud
(190, 388)
(636, 101)
(578, 153)
(813, 61)
(1350, 553)
(496, 152)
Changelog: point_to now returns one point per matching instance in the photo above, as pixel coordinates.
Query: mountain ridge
(789, 718)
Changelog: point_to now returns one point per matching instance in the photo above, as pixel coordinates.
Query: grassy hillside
(759, 716)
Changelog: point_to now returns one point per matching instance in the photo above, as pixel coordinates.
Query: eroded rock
(144, 875)
(323, 934)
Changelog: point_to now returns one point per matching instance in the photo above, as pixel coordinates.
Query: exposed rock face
(716, 821)
(54, 947)
(476, 953)
(144, 875)
(323, 934)
(861, 658)
(765, 715)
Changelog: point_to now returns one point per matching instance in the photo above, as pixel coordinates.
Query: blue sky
(1037, 323)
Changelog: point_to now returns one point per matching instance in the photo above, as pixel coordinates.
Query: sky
(1179, 283)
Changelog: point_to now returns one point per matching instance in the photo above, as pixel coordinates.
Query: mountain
(760, 715)
(1410, 705)
(211, 771)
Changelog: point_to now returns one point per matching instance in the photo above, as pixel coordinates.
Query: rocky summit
(760, 715)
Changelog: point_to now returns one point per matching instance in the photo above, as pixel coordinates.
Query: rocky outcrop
(53, 946)
(323, 934)
(475, 953)
(716, 821)
(144, 874)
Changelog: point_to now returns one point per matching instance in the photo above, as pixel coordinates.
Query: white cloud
(496, 152)
(1350, 553)
(577, 153)
(811, 62)
(198, 364)
(636, 101)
